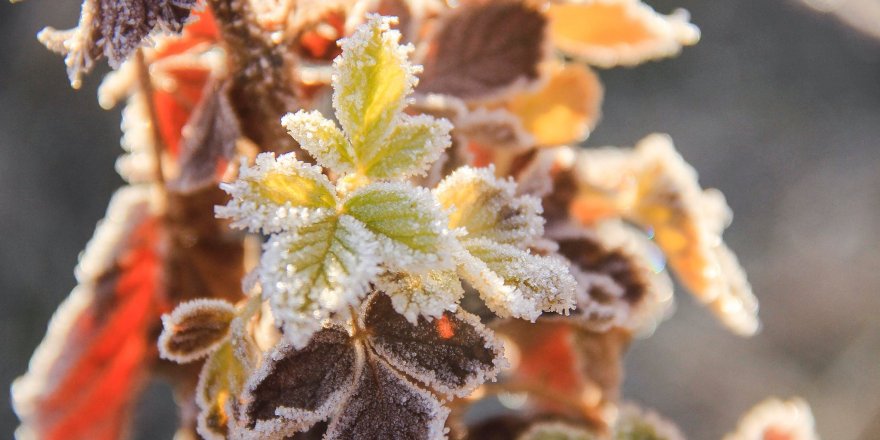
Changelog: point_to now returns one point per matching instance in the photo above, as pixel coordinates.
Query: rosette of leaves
(361, 269)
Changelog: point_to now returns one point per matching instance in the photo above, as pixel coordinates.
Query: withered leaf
(208, 141)
(483, 50)
(385, 405)
(495, 129)
(297, 388)
(194, 329)
(452, 354)
(113, 29)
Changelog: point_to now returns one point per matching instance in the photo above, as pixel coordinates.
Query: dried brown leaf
(483, 51)
(194, 329)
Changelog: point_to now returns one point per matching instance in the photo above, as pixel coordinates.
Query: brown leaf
(495, 129)
(297, 388)
(385, 405)
(194, 329)
(113, 29)
(208, 141)
(452, 354)
(482, 51)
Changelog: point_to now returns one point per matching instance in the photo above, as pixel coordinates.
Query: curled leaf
(609, 33)
(194, 329)
(775, 419)
(484, 50)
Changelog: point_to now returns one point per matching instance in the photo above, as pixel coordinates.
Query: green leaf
(322, 139)
(410, 226)
(298, 190)
(424, 294)
(414, 144)
(514, 282)
(318, 269)
(488, 207)
(371, 81)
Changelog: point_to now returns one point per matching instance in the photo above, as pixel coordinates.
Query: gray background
(777, 106)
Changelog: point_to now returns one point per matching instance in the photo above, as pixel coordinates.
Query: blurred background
(778, 106)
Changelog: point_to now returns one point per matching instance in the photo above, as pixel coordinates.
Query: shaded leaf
(618, 32)
(86, 375)
(633, 423)
(318, 268)
(488, 207)
(194, 329)
(495, 129)
(294, 389)
(208, 141)
(452, 354)
(384, 405)
(113, 29)
(484, 50)
(411, 229)
(220, 382)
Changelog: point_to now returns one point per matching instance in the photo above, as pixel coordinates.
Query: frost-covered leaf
(488, 207)
(620, 276)
(452, 354)
(208, 141)
(776, 419)
(484, 50)
(85, 376)
(194, 329)
(426, 294)
(316, 269)
(652, 186)
(634, 423)
(220, 382)
(562, 111)
(557, 431)
(385, 405)
(113, 29)
(294, 389)
(411, 229)
(514, 282)
(322, 139)
(415, 143)
(371, 80)
(278, 193)
(609, 33)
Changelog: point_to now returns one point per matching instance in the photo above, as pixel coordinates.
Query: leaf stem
(146, 85)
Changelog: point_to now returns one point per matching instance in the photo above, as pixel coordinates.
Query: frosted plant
(406, 245)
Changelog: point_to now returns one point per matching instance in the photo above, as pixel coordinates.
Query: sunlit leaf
(319, 268)
(776, 419)
(424, 294)
(564, 110)
(609, 33)
(220, 382)
(415, 143)
(84, 378)
(514, 282)
(194, 329)
(372, 77)
(322, 139)
(488, 207)
(278, 193)
(485, 50)
(411, 229)
(452, 354)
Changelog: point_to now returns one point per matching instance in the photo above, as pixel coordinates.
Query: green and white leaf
(371, 80)
(277, 194)
(488, 207)
(424, 294)
(409, 225)
(415, 143)
(514, 282)
(322, 139)
(316, 270)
